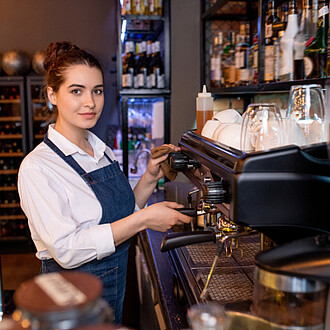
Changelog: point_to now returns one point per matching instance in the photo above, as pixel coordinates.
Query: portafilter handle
(174, 240)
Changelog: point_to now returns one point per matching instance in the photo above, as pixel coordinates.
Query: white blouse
(63, 212)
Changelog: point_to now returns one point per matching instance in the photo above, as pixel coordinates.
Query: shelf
(12, 217)
(145, 92)
(11, 118)
(142, 17)
(212, 12)
(13, 101)
(38, 101)
(40, 118)
(276, 87)
(11, 154)
(9, 205)
(10, 136)
(39, 136)
(8, 188)
(14, 171)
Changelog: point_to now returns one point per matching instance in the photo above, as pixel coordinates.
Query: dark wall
(30, 25)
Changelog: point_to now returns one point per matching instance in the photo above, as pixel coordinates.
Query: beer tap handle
(174, 240)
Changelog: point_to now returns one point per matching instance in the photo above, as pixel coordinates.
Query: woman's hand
(154, 169)
(162, 216)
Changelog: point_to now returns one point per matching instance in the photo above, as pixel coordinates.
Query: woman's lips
(88, 115)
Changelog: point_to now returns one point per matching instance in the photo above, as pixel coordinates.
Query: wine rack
(37, 118)
(13, 137)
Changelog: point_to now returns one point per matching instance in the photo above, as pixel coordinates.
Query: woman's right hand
(162, 216)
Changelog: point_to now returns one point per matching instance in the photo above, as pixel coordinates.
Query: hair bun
(56, 49)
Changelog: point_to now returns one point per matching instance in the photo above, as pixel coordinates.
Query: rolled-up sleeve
(72, 242)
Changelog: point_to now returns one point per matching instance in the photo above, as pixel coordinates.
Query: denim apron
(116, 197)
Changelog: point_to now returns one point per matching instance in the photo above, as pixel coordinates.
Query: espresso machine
(270, 206)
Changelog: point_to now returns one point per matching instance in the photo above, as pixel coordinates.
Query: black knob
(179, 161)
(214, 192)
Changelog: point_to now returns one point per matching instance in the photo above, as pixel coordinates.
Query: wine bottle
(316, 48)
(216, 60)
(305, 33)
(128, 65)
(141, 67)
(158, 67)
(270, 35)
(286, 44)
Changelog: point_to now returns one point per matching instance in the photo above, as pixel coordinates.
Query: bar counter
(161, 275)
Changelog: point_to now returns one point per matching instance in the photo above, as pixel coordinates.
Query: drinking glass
(261, 127)
(305, 118)
(210, 316)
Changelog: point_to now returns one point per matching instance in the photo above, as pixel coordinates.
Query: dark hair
(59, 57)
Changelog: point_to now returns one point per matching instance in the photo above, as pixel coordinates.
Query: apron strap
(68, 159)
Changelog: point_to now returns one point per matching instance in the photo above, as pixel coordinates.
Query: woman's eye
(76, 91)
(98, 91)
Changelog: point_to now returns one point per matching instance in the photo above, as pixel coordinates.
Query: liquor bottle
(286, 44)
(315, 14)
(231, 69)
(149, 64)
(270, 34)
(301, 38)
(226, 58)
(141, 66)
(152, 8)
(315, 54)
(159, 7)
(158, 67)
(217, 51)
(242, 56)
(254, 51)
(137, 61)
(138, 7)
(126, 8)
(128, 65)
(277, 53)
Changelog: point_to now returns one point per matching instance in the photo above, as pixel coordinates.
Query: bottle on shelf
(306, 31)
(254, 50)
(128, 65)
(136, 62)
(141, 67)
(315, 54)
(277, 53)
(149, 64)
(315, 14)
(126, 8)
(270, 35)
(216, 57)
(229, 61)
(157, 79)
(242, 57)
(286, 43)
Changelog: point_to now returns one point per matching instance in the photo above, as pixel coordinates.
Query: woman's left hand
(154, 168)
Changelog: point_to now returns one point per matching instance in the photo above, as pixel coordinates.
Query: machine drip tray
(232, 281)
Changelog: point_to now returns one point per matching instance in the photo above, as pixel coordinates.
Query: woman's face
(79, 99)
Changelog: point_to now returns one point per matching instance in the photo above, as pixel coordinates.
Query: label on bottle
(152, 6)
(160, 81)
(232, 75)
(127, 6)
(323, 11)
(286, 60)
(124, 80)
(239, 59)
(153, 80)
(269, 63)
(136, 81)
(138, 6)
(142, 78)
(308, 63)
(215, 68)
(244, 75)
(268, 30)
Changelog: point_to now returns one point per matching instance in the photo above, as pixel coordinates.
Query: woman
(79, 204)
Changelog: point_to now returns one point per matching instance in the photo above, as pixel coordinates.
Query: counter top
(161, 273)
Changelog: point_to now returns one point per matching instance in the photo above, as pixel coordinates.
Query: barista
(79, 204)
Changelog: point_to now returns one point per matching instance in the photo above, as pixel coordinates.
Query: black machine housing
(283, 192)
